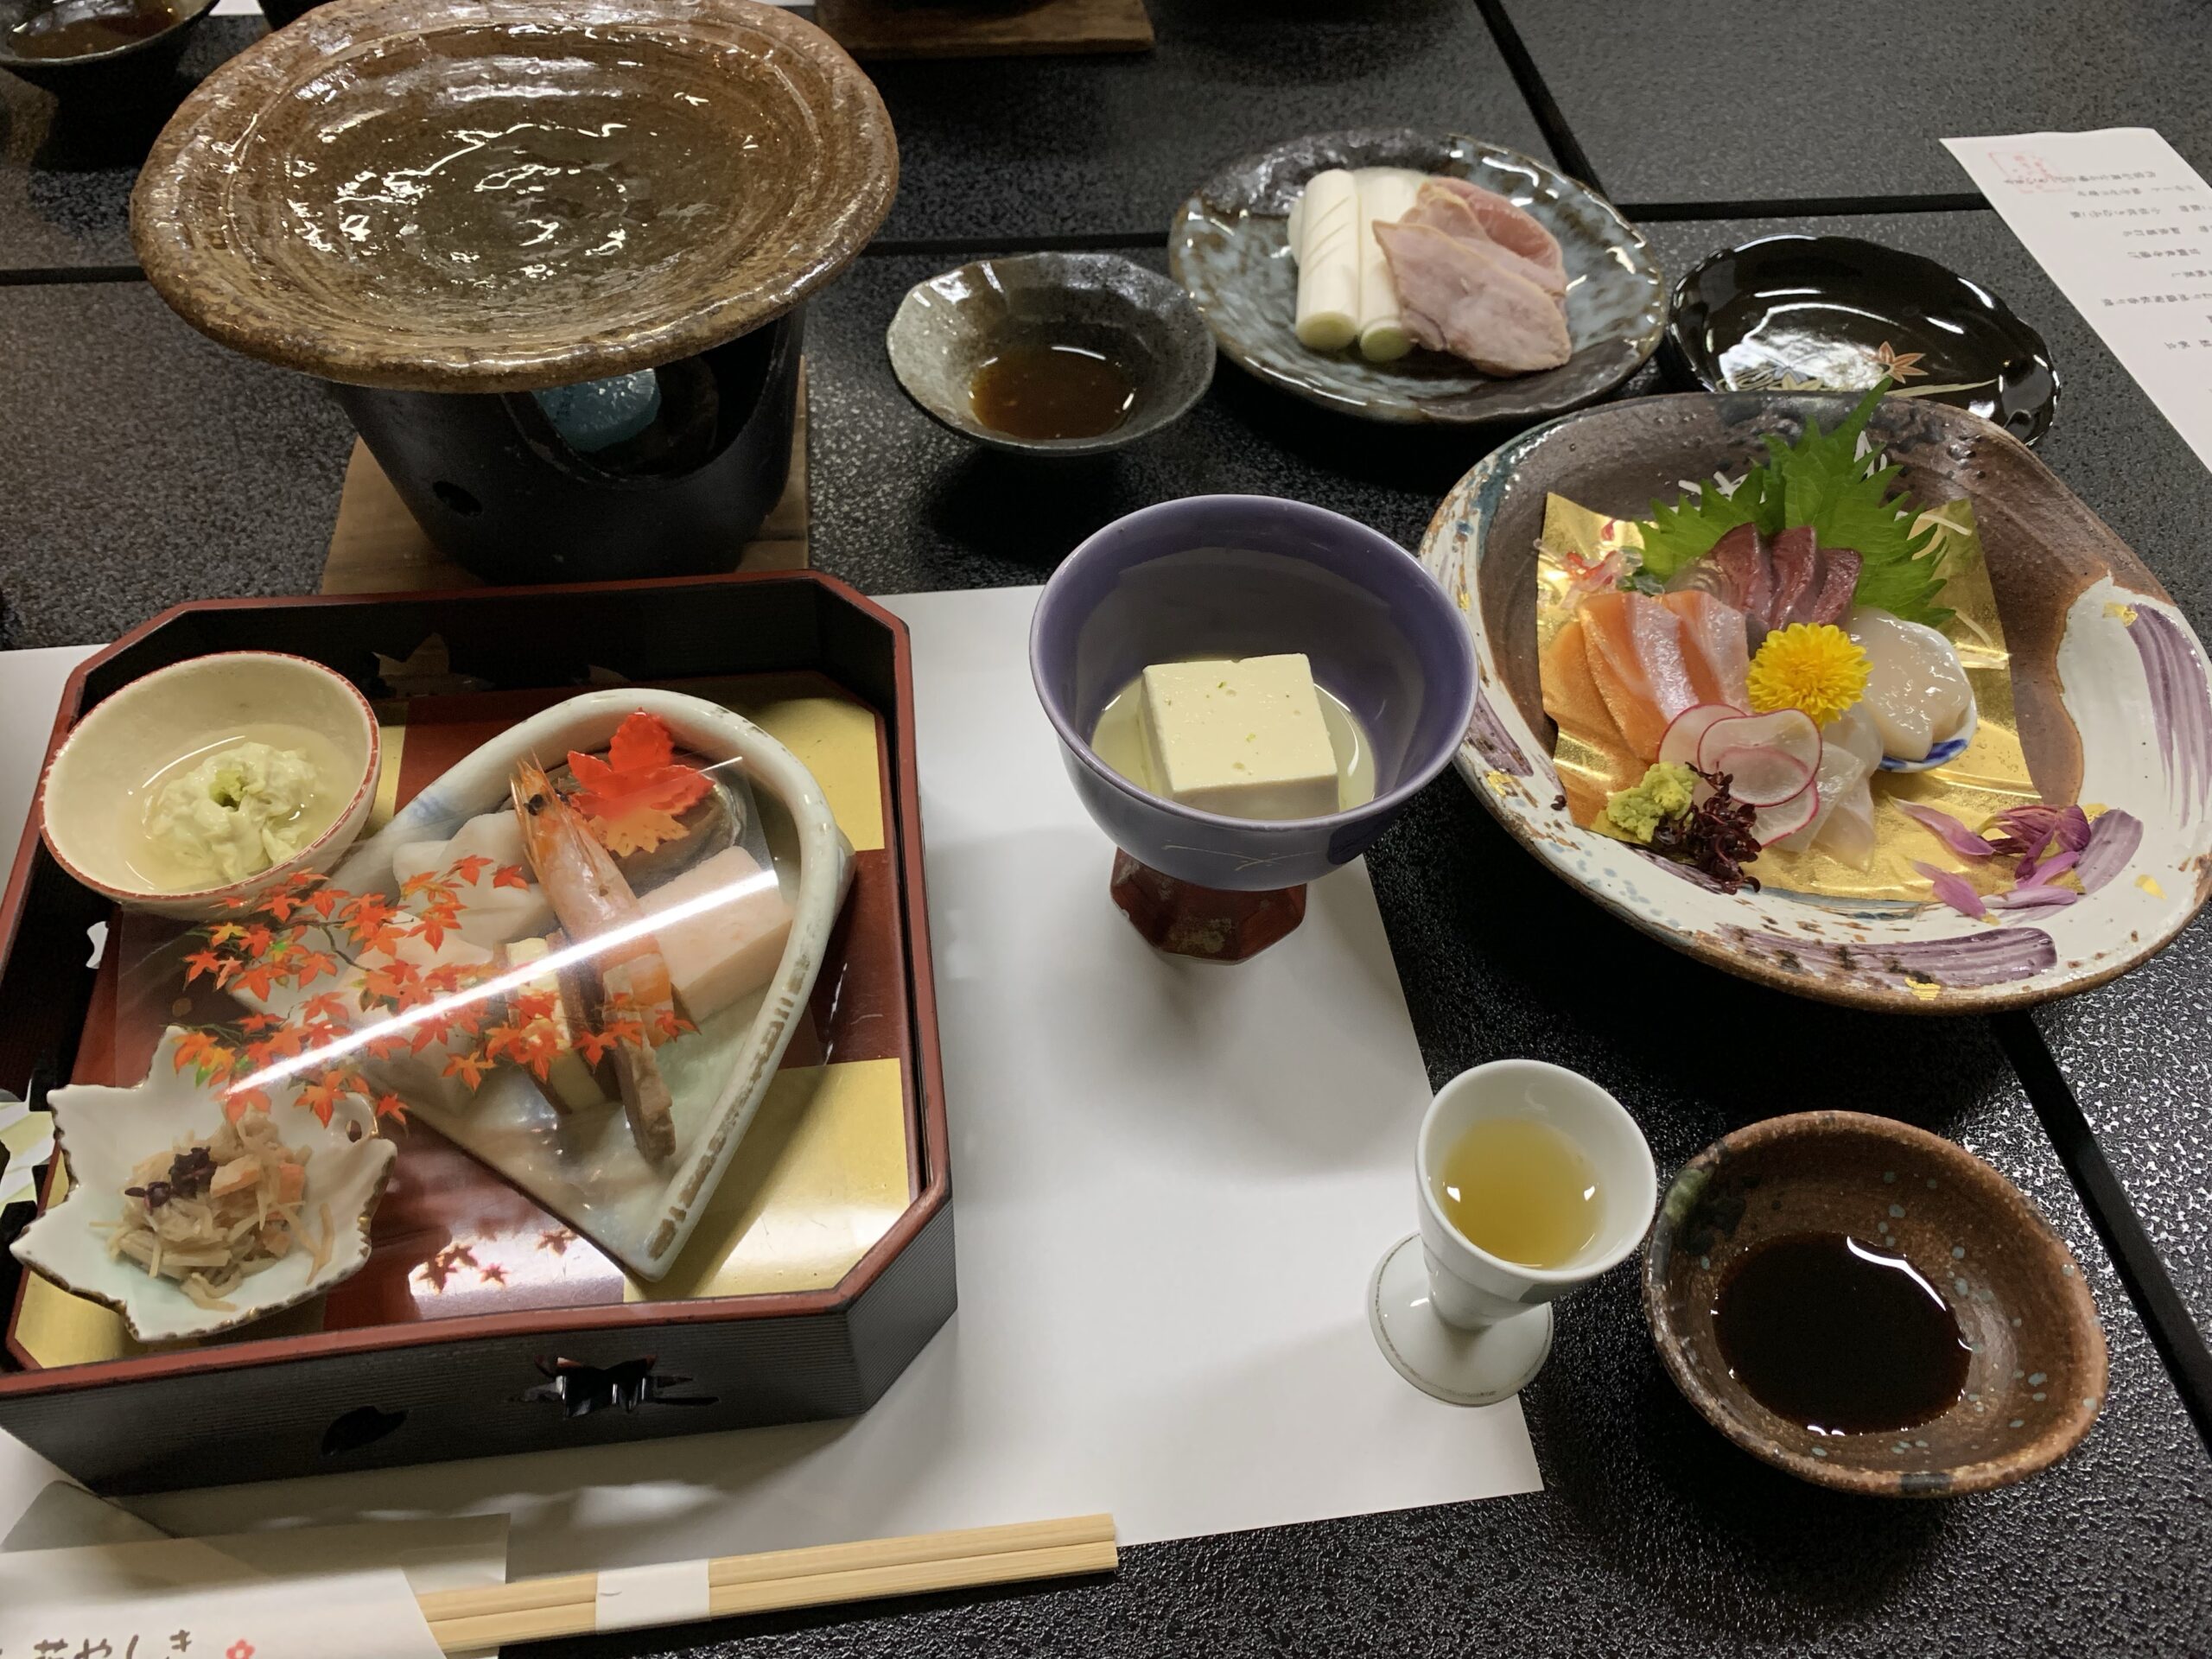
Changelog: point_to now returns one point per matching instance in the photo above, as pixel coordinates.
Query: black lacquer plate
(1833, 312)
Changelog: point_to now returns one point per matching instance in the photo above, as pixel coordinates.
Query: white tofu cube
(730, 944)
(1243, 738)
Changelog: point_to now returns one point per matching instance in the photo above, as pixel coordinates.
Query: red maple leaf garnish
(632, 798)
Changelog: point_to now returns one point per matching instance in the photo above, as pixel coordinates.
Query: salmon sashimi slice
(1636, 657)
(1571, 695)
(1714, 647)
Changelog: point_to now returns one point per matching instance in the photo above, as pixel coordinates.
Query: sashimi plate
(2109, 684)
(1230, 247)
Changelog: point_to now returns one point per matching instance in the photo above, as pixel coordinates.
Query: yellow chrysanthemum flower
(1809, 666)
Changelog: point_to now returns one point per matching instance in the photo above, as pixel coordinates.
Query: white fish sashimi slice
(1850, 750)
(1846, 831)
(1916, 691)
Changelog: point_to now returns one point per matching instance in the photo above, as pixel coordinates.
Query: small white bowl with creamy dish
(191, 790)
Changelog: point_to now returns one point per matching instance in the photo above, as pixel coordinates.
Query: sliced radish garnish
(1680, 744)
(1761, 777)
(1787, 818)
(1791, 730)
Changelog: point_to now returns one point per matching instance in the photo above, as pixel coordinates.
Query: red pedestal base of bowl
(1186, 919)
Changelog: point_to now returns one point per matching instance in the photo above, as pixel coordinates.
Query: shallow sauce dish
(1228, 246)
(947, 328)
(2109, 685)
(90, 789)
(2035, 1368)
(128, 69)
(1250, 576)
(1836, 313)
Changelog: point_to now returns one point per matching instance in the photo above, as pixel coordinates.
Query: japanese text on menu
(2124, 227)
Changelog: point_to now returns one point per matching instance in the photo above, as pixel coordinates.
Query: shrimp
(589, 897)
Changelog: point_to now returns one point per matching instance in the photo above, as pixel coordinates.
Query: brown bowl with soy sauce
(115, 51)
(1052, 353)
(1871, 1308)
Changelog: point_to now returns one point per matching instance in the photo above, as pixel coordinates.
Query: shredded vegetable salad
(211, 1213)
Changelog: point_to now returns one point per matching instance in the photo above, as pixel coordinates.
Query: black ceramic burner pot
(501, 493)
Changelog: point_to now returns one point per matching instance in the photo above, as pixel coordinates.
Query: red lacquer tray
(481, 1324)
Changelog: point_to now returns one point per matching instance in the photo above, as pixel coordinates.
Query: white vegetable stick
(1328, 261)
(1385, 194)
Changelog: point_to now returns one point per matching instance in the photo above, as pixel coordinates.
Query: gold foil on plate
(1988, 776)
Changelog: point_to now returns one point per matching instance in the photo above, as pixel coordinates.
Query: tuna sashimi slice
(1636, 653)
(1713, 644)
(1795, 556)
(1510, 227)
(1451, 213)
(1455, 297)
(1743, 561)
(1830, 601)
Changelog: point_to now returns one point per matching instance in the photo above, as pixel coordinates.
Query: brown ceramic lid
(498, 195)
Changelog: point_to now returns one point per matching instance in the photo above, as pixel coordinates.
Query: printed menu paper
(2124, 227)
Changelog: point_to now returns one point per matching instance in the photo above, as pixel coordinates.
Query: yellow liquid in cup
(1518, 1188)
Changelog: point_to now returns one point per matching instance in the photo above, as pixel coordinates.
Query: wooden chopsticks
(535, 1609)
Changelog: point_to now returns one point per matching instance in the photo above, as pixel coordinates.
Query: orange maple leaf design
(469, 869)
(325, 1007)
(469, 1068)
(391, 1106)
(511, 876)
(633, 795)
(238, 1104)
(206, 962)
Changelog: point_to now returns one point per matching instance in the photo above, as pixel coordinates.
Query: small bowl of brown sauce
(108, 48)
(1052, 353)
(1871, 1308)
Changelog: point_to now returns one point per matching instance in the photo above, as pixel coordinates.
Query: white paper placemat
(1172, 1181)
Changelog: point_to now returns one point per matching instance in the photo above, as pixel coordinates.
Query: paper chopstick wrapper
(1990, 775)
(637, 1598)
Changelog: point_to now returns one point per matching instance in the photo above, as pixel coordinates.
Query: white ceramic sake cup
(1471, 1327)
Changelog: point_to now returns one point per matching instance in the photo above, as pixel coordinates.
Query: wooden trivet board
(985, 28)
(376, 547)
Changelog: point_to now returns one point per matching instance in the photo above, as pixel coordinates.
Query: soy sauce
(76, 28)
(1050, 391)
(1842, 1335)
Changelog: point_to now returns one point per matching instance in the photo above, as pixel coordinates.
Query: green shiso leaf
(1821, 480)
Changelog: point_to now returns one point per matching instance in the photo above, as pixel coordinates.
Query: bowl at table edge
(136, 69)
(1249, 576)
(948, 327)
(173, 712)
(2037, 1375)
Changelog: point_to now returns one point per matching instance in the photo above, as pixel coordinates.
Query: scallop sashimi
(1916, 691)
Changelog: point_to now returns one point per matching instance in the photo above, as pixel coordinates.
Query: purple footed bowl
(1248, 575)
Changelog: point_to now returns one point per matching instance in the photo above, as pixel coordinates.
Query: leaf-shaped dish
(2110, 685)
(584, 1165)
(106, 1133)
(1230, 247)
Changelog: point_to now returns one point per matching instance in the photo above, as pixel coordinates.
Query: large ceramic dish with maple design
(589, 1164)
(2109, 683)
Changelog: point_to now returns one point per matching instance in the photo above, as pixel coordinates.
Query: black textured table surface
(1738, 100)
(140, 465)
